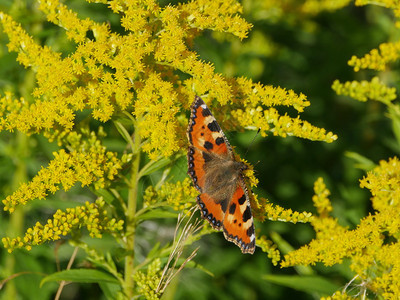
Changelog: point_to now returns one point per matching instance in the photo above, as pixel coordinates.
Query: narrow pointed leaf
(307, 284)
(80, 275)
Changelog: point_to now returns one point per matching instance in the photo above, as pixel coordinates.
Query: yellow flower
(320, 199)
(89, 163)
(364, 90)
(155, 111)
(270, 248)
(377, 59)
(148, 282)
(91, 215)
(275, 212)
(176, 195)
(372, 258)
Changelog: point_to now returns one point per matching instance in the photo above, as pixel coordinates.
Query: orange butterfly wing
(209, 146)
(238, 221)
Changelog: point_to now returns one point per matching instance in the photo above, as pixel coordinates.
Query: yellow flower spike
(256, 94)
(66, 169)
(377, 59)
(270, 120)
(277, 213)
(364, 90)
(320, 199)
(89, 216)
(270, 248)
(148, 282)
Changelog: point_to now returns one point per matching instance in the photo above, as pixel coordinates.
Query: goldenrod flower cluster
(142, 63)
(320, 198)
(148, 282)
(275, 212)
(177, 195)
(88, 163)
(364, 90)
(255, 115)
(270, 248)
(91, 216)
(377, 59)
(373, 246)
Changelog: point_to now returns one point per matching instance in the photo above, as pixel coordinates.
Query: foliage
(104, 101)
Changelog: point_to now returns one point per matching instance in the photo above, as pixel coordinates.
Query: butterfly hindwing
(238, 221)
(210, 210)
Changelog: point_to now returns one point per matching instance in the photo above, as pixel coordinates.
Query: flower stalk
(130, 216)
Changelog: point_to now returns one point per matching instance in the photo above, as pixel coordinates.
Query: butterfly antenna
(252, 141)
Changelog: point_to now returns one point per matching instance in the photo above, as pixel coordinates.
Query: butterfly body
(223, 199)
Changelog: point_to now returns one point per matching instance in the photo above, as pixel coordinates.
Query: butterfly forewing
(204, 132)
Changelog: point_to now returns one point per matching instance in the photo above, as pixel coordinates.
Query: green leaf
(80, 275)
(110, 290)
(362, 162)
(107, 196)
(155, 251)
(124, 133)
(153, 166)
(307, 284)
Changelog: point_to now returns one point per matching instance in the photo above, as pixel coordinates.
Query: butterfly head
(241, 166)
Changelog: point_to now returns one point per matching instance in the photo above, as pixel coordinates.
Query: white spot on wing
(253, 237)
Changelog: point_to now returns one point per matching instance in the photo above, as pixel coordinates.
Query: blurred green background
(285, 48)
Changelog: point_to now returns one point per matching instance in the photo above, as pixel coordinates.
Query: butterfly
(223, 200)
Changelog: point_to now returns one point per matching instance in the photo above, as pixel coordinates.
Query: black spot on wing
(246, 214)
(242, 199)
(198, 102)
(213, 126)
(224, 205)
(206, 112)
(232, 208)
(250, 231)
(208, 145)
(219, 140)
(206, 157)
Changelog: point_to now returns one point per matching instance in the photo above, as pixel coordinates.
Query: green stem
(17, 218)
(130, 217)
